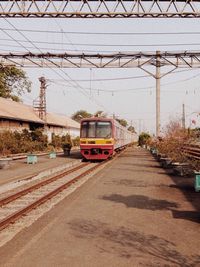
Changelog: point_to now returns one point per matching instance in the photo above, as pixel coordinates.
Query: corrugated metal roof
(17, 111)
(61, 120)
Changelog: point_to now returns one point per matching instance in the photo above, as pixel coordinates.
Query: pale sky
(116, 91)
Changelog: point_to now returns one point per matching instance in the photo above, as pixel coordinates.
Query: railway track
(192, 151)
(18, 204)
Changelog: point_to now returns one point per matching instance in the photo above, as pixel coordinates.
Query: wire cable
(105, 33)
(71, 80)
(132, 89)
(103, 45)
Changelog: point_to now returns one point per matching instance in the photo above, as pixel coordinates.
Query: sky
(121, 92)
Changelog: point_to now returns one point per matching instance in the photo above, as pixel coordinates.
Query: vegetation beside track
(175, 143)
(31, 141)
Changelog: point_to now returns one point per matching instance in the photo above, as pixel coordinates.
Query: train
(100, 138)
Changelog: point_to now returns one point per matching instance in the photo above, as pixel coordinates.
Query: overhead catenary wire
(131, 89)
(65, 34)
(125, 78)
(100, 44)
(104, 33)
(45, 50)
(79, 80)
(19, 42)
(33, 44)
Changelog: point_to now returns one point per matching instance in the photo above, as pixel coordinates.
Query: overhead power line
(95, 44)
(114, 79)
(82, 90)
(59, 49)
(124, 78)
(104, 33)
(59, 82)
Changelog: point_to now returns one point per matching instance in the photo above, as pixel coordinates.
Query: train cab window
(88, 129)
(91, 129)
(103, 129)
(84, 129)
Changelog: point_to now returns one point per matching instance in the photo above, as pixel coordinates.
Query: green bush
(31, 141)
(143, 139)
(22, 142)
(76, 141)
(56, 141)
(60, 141)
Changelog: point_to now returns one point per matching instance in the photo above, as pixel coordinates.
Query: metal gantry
(100, 8)
(141, 60)
(115, 60)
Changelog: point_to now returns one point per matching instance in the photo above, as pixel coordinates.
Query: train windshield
(103, 129)
(99, 129)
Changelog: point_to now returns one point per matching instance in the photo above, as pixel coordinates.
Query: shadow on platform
(129, 243)
(141, 202)
(193, 216)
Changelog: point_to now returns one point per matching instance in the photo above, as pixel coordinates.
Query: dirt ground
(130, 214)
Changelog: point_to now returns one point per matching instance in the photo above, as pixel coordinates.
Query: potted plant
(66, 148)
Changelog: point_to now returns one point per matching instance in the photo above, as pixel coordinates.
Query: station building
(16, 116)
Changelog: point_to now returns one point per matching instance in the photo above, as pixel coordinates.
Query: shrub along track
(19, 204)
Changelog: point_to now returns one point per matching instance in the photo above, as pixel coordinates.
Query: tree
(81, 114)
(122, 122)
(144, 138)
(100, 113)
(131, 129)
(13, 83)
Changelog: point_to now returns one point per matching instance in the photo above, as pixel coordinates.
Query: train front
(96, 138)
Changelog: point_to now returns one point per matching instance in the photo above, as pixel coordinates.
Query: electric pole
(183, 117)
(158, 93)
(40, 103)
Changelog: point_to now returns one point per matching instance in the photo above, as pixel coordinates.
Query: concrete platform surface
(19, 169)
(130, 214)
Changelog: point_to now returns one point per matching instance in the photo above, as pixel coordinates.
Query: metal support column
(183, 117)
(42, 105)
(158, 93)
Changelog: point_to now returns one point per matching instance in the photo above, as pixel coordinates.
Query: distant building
(61, 125)
(16, 116)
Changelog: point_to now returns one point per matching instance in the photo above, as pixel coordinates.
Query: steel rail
(192, 151)
(21, 193)
(13, 217)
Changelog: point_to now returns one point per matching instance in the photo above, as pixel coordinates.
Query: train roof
(115, 122)
(97, 119)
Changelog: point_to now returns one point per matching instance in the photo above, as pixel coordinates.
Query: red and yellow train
(101, 137)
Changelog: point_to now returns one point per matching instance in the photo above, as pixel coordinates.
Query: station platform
(131, 213)
(19, 169)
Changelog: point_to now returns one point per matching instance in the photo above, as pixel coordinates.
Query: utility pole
(183, 116)
(42, 99)
(158, 93)
(140, 122)
(40, 104)
(157, 63)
